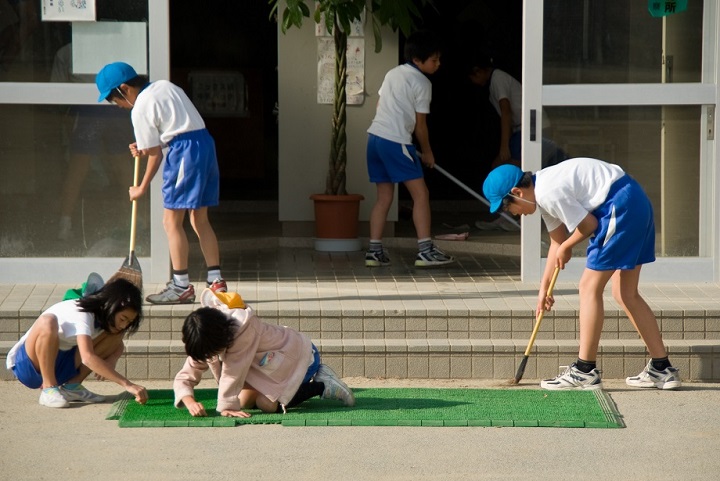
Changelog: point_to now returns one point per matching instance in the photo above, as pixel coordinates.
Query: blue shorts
(389, 161)
(27, 374)
(313, 369)
(191, 178)
(625, 236)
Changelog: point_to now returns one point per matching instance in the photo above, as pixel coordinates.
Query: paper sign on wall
(68, 10)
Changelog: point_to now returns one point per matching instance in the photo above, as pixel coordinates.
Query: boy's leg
(177, 240)
(379, 213)
(625, 292)
(421, 206)
(178, 290)
(206, 235)
(592, 311)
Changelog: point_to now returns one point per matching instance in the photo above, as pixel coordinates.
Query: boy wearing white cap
(587, 198)
(163, 116)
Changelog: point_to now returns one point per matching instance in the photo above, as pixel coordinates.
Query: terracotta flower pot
(336, 222)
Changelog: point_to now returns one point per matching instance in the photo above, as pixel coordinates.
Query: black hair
(525, 181)
(114, 296)
(140, 81)
(421, 45)
(206, 332)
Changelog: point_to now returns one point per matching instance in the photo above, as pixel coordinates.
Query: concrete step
(698, 360)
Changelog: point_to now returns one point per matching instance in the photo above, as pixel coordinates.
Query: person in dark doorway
(505, 95)
(404, 104)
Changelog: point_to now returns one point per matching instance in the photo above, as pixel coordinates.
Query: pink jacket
(272, 359)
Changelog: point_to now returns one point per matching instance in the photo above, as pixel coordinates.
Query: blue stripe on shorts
(191, 178)
(389, 161)
(625, 236)
(313, 369)
(26, 373)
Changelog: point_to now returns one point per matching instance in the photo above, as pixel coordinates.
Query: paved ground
(669, 436)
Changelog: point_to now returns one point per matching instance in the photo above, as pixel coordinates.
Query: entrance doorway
(224, 55)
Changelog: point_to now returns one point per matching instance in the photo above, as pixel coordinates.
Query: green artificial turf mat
(396, 407)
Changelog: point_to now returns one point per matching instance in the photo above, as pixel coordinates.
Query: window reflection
(658, 145)
(597, 41)
(64, 178)
(28, 46)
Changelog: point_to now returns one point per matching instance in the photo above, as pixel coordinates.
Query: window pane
(35, 51)
(599, 41)
(659, 146)
(64, 178)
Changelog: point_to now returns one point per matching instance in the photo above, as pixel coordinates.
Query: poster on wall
(68, 10)
(355, 86)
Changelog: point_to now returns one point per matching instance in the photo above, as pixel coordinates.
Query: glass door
(609, 80)
(64, 162)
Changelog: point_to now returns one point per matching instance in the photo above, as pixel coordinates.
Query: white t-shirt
(162, 110)
(567, 192)
(404, 91)
(504, 86)
(71, 324)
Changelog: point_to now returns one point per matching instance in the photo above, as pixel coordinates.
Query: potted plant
(335, 203)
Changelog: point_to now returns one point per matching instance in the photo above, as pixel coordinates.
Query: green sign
(663, 8)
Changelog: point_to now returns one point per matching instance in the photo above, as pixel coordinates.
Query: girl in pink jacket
(256, 365)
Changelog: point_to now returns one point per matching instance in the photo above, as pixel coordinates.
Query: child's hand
(235, 414)
(195, 408)
(140, 393)
(135, 192)
(134, 150)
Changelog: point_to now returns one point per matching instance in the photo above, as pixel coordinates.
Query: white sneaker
(651, 377)
(53, 398)
(81, 394)
(334, 387)
(574, 378)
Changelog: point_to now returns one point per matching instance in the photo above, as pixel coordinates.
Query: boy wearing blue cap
(587, 198)
(163, 116)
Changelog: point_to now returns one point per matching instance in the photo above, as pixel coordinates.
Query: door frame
(706, 267)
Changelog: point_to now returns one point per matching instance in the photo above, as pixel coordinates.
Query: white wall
(304, 127)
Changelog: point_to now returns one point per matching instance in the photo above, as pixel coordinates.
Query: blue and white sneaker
(80, 394)
(334, 387)
(433, 257)
(376, 259)
(574, 378)
(651, 377)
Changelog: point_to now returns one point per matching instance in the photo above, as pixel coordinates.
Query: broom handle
(133, 217)
(473, 193)
(540, 316)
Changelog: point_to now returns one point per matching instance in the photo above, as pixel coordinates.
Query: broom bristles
(130, 275)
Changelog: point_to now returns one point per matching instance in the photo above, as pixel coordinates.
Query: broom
(523, 363)
(130, 269)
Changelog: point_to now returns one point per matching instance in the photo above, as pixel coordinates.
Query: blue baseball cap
(111, 76)
(499, 183)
